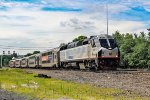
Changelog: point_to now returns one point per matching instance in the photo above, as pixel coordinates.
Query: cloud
(126, 26)
(15, 17)
(76, 24)
(47, 23)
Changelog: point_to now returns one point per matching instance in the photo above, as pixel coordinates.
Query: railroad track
(119, 70)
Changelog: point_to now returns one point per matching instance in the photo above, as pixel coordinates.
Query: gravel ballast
(132, 81)
(5, 95)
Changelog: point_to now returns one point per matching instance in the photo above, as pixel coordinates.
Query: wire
(24, 49)
(21, 47)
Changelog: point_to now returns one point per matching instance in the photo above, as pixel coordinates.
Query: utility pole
(1, 61)
(2, 58)
(107, 17)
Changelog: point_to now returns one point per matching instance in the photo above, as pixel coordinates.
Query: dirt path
(137, 82)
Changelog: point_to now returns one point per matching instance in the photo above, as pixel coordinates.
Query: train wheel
(61, 65)
(96, 67)
(93, 66)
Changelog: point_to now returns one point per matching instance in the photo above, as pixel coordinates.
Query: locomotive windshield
(112, 43)
(104, 43)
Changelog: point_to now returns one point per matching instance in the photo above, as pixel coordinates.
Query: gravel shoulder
(132, 81)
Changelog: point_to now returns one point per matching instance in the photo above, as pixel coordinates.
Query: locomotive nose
(108, 53)
(108, 59)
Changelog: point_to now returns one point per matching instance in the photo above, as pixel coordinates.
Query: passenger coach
(24, 62)
(50, 58)
(12, 63)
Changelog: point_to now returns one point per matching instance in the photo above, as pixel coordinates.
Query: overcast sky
(47, 23)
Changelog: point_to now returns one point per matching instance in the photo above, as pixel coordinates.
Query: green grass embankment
(16, 80)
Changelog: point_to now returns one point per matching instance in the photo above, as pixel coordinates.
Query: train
(98, 52)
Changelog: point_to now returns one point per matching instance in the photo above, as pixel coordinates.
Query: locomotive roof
(105, 36)
(32, 55)
(101, 36)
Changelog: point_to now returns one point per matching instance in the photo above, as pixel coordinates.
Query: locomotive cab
(107, 51)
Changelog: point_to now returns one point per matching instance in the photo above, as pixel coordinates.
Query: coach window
(72, 45)
(65, 47)
(49, 53)
(43, 54)
(62, 48)
(79, 43)
(68, 46)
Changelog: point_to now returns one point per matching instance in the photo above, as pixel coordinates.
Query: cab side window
(93, 43)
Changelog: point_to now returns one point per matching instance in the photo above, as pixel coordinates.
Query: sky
(29, 25)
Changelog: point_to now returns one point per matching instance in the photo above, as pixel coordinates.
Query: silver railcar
(50, 58)
(33, 60)
(24, 62)
(12, 63)
(18, 63)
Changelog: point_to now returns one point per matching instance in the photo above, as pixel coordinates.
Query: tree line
(134, 49)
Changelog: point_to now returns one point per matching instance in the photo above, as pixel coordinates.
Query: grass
(16, 80)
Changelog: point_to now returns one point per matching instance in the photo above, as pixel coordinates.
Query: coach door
(54, 57)
(37, 61)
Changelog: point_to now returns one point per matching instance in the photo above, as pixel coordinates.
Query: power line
(25, 48)
(11, 47)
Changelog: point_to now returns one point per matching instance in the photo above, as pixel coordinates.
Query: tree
(148, 62)
(148, 34)
(36, 52)
(28, 54)
(14, 55)
(134, 49)
(118, 37)
(79, 38)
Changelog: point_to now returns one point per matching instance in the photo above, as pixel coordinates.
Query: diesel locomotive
(96, 52)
